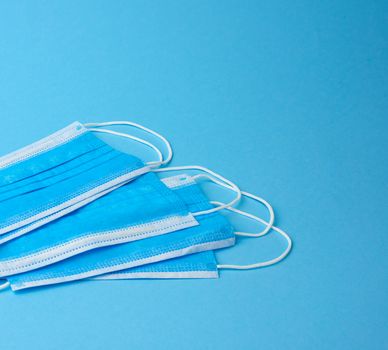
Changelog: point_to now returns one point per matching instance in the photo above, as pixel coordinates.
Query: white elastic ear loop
(94, 126)
(216, 178)
(106, 131)
(264, 263)
(5, 285)
(254, 217)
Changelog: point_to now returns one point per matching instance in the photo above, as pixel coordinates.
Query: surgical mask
(63, 172)
(199, 265)
(140, 209)
(213, 232)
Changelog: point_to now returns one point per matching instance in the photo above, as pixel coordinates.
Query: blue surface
(287, 99)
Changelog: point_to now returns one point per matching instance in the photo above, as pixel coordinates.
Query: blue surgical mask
(204, 264)
(199, 265)
(157, 256)
(60, 173)
(213, 232)
(140, 209)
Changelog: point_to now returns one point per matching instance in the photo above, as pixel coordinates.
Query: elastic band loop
(94, 126)
(5, 285)
(149, 144)
(268, 226)
(265, 263)
(216, 178)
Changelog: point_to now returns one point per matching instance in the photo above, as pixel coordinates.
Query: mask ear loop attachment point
(5, 285)
(96, 127)
(264, 263)
(214, 177)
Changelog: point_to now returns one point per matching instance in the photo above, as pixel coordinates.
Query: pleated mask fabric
(213, 232)
(143, 208)
(71, 166)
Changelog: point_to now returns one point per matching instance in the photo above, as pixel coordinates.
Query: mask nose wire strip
(5, 285)
(213, 176)
(141, 127)
(264, 263)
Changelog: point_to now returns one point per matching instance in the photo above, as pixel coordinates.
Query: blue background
(288, 99)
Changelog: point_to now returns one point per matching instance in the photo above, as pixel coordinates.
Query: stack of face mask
(72, 208)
